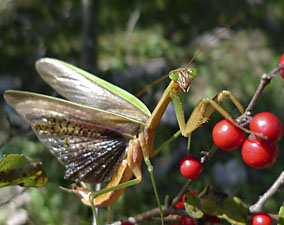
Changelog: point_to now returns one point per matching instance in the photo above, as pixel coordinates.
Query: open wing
(89, 142)
(82, 87)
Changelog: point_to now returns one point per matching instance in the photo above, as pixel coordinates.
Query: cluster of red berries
(256, 152)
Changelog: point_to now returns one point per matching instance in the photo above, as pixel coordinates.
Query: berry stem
(210, 154)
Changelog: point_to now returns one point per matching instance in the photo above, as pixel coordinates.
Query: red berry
(126, 223)
(187, 221)
(267, 124)
(190, 167)
(259, 154)
(180, 205)
(281, 61)
(261, 218)
(226, 136)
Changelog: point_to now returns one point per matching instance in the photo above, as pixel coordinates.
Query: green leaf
(281, 215)
(212, 200)
(193, 206)
(17, 169)
(216, 203)
(235, 212)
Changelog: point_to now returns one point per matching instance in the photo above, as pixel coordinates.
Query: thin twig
(181, 193)
(210, 154)
(265, 80)
(154, 215)
(269, 193)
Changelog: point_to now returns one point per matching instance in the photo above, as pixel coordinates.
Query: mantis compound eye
(193, 73)
(174, 75)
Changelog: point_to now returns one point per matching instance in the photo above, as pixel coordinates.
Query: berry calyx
(226, 136)
(281, 61)
(259, 154)
(190, 167)
(261, 218)
(267, 124)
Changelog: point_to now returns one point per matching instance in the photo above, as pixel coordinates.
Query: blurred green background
(132, 43)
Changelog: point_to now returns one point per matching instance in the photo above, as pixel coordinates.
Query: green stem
(97, 193)
(188, 145)
(150, 169)
(94, 211)
(117, 187)
(161, 147)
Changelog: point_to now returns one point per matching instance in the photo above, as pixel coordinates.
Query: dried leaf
(17, 169)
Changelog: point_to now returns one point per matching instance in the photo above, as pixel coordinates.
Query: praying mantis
(102, 132)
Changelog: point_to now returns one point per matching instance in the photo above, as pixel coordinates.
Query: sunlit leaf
(281, 215)
(17, 169)
(193, 206)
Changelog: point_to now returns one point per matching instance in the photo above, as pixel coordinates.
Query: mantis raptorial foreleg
(203, 111)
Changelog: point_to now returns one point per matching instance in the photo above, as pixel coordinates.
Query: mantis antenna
(234, 21)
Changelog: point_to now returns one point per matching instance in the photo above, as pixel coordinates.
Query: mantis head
(184, 77)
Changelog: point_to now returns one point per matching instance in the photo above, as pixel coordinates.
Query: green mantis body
(104, 132)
